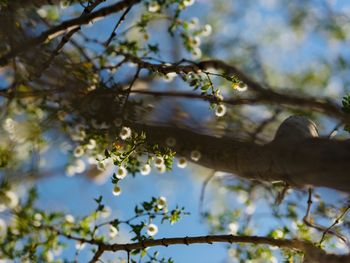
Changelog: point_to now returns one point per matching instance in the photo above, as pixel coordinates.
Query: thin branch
(204, 186)
(128, 92)
(65, 26)
(263, 94)
(334, 131)
(265, 123)
(70, 236)
(307, 220)
(281, 195)
(65, 39)
(121, 19)
(97, 255)
(335, 223)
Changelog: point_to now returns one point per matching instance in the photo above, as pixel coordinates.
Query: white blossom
(197, 53)
(159, 161)
(220, 110)
(69, 218)
(170, 76)
(92, 144)
(182, 162)
(233, 227)
(92, 160)
(70, 170)
(113, 231)
(78, 135)
(161, 169)
(42, 12)
(79, 166)
(278, 233)
(106, 212)
(339, 244)
(170, 141)
(64, 4)
(207, 30)
(49, 256)
(78, 151)
(37, 219)
(79, 245)
(121, 172)
(152, 229)
(219, 96)
(161, 202)
(196, 155)
(153, 7)
(12, 199)
(188, 2)
(242, 196)
(196, 41)
(117, 190)
(92, 87)
(194, 22)
(125, 133)
(240, 86)
(9, 125)
(145, 170)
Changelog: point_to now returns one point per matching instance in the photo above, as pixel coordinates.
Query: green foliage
(44, 233)
(346, 104)
(346, 109)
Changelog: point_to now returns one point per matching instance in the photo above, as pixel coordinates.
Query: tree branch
(312, 252)
(297, 161)
(263, 94)
(64, 26)
(65, 39)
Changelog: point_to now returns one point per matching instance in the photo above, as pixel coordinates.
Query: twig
(264, 123)
(334, 131)
(128, 92)
(63, 27)
(335, 223)
(121, 19)
(262, 93)
(204, 186)
(307, 221)
(64, 40)
(281, 195)
(97, 255)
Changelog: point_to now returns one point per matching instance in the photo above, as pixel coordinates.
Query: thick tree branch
(297, 161)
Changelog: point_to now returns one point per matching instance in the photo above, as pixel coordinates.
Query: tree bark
(295, 156)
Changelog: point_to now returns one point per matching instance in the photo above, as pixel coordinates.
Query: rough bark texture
(295, 155)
